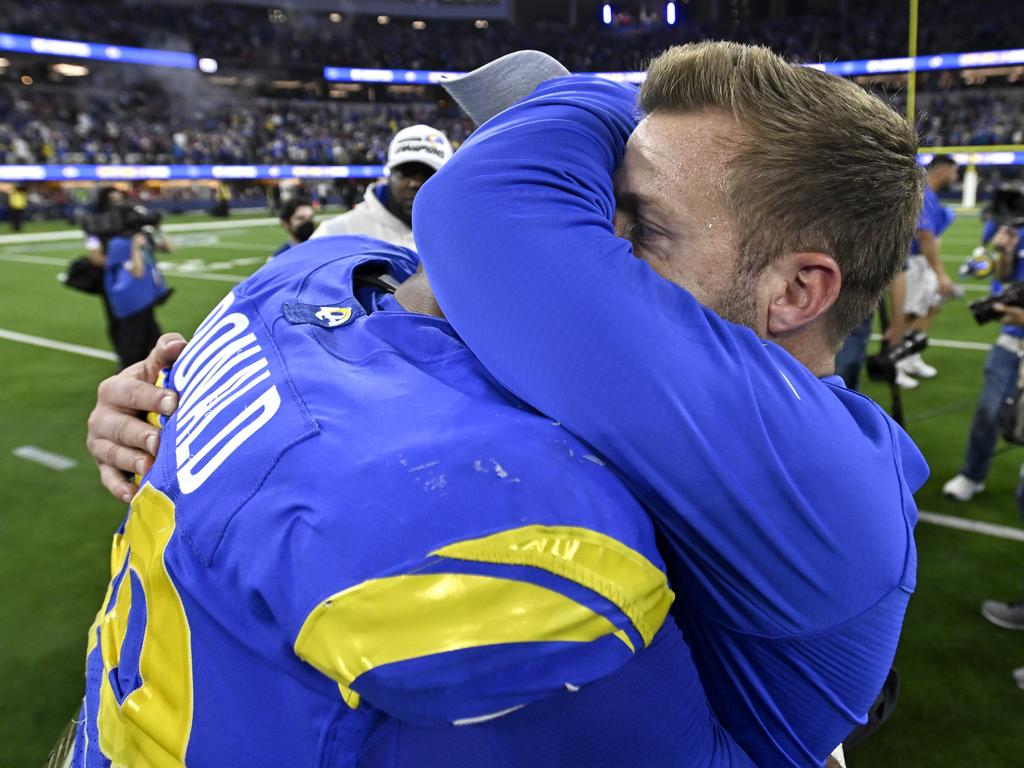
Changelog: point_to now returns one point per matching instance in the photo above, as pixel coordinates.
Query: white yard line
(49, 460)
(24, 258)
(974, 526)
(60, 346)
(225, 245)
(204, 276)
(170, 271)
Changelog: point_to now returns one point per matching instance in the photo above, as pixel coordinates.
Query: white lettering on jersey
(223, 368)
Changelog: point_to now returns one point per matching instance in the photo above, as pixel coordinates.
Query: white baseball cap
(419, 144)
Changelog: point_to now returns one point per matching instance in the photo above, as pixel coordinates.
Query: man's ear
(805, 286)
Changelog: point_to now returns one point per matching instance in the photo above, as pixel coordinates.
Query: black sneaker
(1006, 615)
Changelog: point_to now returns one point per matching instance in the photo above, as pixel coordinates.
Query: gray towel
(499, 84)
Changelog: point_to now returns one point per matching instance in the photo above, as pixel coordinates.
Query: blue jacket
(785, 501)
(126, 293)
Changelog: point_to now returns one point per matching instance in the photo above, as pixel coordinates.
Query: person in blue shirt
(133, 287)
(762, 210)
(927, 282)
(1002, 368)
(355, 549)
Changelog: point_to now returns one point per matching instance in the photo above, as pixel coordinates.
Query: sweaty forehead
(671, 151)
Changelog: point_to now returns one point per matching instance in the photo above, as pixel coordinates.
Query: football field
(958, 705)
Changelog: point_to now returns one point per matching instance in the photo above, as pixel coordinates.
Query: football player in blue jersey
(927, 283)
(355, 549)
(784, 501)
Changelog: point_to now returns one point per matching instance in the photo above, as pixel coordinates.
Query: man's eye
(637, 232)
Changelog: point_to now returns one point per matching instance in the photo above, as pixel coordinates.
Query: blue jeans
(850, 359)
(1000, 383)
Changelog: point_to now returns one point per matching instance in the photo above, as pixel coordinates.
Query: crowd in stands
(73, 125)
(245, 36)
(147, 122)
(63, 125)
(973, 117)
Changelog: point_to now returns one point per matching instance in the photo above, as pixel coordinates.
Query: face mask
(304, 231)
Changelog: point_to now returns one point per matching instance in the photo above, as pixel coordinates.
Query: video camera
(1007, 207)
(984, 310)
(882, 367)
(120, 221)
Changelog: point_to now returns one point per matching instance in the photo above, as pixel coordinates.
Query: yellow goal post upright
(965, 156)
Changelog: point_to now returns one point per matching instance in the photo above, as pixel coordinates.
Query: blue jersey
(785, 501)
(355, 549)
(126, 293)
(934, 218)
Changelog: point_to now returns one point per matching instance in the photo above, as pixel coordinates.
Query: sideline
(60, 346)
(974, 526)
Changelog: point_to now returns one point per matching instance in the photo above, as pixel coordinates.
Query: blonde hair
(823, 165)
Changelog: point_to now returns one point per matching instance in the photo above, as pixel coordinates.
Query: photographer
(1001, 368)
(121, 241)
(1001, 380)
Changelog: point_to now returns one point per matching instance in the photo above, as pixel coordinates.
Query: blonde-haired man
(684, 321)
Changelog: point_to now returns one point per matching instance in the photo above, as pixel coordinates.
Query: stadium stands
(62, 125)
(247, 35)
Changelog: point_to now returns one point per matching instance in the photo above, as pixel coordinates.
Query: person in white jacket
(385, 212)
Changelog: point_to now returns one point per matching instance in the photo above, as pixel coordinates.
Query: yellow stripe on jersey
(153, 417)
(598, 562)
(152, 725)
(383, 621)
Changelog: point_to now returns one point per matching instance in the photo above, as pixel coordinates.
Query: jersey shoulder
(240, 410)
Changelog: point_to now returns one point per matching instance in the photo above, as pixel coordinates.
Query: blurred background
(216, 115)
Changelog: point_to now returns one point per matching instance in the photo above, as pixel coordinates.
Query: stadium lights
(27, 80)
(419, 24)
(606, 13)
(209, 66)
(70, 70)
(670, 13)
(41, 46)
(335, 18)
(9, 173)
(4, 63)
(382, 20)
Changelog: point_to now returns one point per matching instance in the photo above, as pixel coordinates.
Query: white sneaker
(904, 381)
(1018, 677)
(962, 488)
(915, 366)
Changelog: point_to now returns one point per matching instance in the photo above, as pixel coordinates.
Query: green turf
(958, 707)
